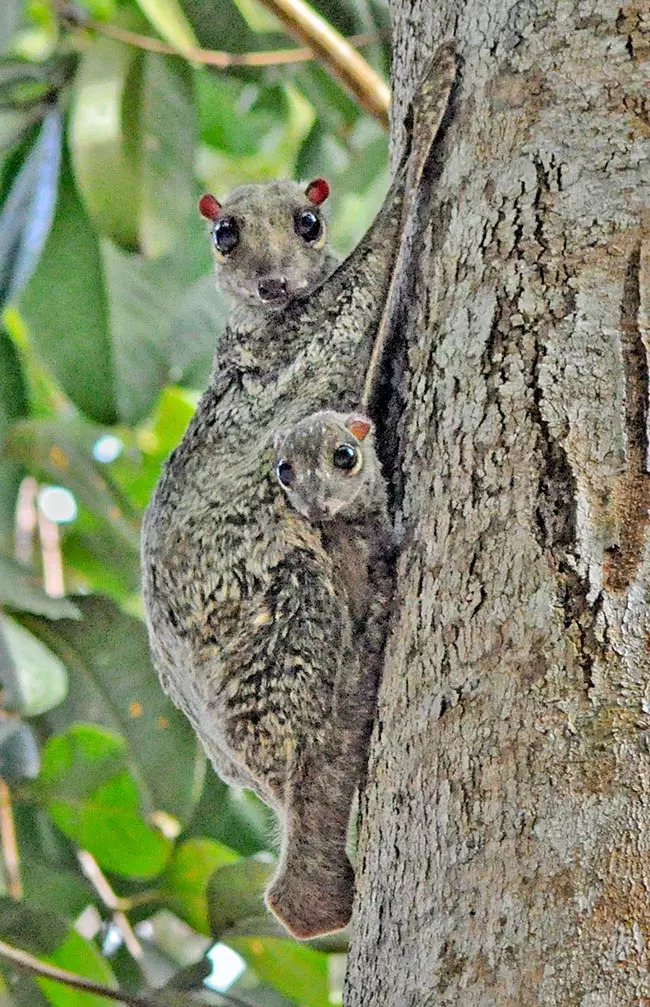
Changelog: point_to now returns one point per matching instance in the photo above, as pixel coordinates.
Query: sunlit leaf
(93, 799)
(38, 680)
(167, 137)
(27, 214)
(132, 134)
(104, 138)
(168, 17)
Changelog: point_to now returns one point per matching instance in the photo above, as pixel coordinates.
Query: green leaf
(36, 930)
(13, 387)
(65, 308)
(168, 138)
(236, 892)
(51, 874)
(223, 126)
(211, 31)
(104, 140)
(27, 214)
(36, 680)
(83, 958)
(184, 884)
(293, 969)
(56, 888)
(132, 134)
(92, 798)
(168, 17)
(112, 682)
(20, 590)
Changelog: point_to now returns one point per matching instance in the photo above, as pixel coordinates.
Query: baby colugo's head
(270, 241)
(327, 466)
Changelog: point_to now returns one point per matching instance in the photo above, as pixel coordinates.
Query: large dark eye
(345, 457)
(284, 472)
(225, 234)
(308, 225)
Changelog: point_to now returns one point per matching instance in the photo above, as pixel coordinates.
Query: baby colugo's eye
(346, 457)
(225, 234)
(284, 472)
(308, 225)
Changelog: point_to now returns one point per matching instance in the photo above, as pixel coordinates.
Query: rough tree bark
(505, 847)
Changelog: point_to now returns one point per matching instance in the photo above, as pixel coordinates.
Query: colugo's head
(269, 240)
(327, 464)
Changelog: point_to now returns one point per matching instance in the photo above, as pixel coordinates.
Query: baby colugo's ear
(209, 207)
(317, 191)
(360, 426)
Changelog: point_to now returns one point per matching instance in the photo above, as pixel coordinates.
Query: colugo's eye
(284, 472)
(225, 234)
(346, 457)
(308, 225)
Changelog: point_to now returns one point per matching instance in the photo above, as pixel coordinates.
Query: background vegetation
(125, 858)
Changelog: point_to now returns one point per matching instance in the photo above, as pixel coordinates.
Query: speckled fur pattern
(249, 622)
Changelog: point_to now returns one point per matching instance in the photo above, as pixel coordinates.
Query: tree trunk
(504, 853)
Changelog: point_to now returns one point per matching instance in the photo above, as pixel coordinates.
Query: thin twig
(23, 960)
(304, 23)
(215, 57)
(9, 845)
(98, 880)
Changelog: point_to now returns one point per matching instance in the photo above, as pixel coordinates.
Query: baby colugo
(329, 469)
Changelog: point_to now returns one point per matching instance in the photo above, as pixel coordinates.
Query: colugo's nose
(270, 288)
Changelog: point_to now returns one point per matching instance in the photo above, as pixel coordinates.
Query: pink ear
(360, 426)
(317, 191)
(209, 207)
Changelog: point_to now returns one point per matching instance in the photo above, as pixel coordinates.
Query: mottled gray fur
(252, 635)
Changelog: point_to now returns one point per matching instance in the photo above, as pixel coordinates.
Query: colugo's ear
(317, 191)
(360, 426)
(209, 207)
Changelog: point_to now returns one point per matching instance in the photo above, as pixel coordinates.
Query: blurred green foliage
(108, 322)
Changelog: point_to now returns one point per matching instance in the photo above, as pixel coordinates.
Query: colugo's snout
(272, 289)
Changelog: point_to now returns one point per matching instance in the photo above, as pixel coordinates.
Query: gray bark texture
(505, 846)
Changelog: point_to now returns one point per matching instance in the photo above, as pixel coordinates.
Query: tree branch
(208, 57)
(304, 23)
(27, 963)
(9, 844)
